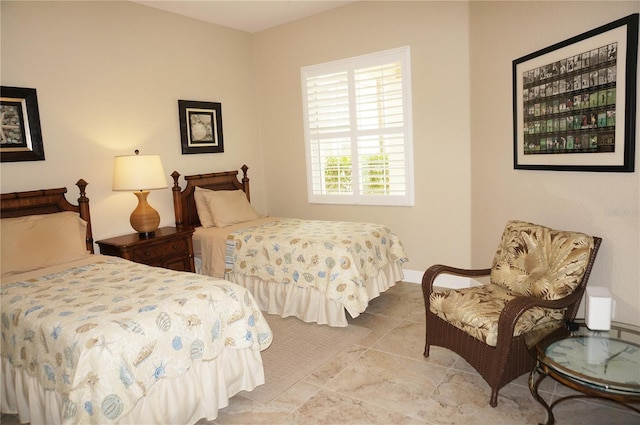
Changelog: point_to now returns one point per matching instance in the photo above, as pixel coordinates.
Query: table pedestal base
(543, 372)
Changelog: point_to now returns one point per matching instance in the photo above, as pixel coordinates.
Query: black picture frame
(20, 132)
(200, 127)
(574, 103)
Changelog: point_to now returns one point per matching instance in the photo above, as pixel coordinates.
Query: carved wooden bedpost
(85, 214)
(177, 203)
(245, 182)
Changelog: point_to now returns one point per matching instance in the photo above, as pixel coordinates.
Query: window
(358, 132)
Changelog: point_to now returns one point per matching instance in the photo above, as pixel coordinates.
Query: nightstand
(170, 248)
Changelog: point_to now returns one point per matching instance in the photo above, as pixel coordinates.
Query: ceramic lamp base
(144, 219)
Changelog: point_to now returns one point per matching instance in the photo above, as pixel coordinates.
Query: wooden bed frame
(47, 201)
(184, 205)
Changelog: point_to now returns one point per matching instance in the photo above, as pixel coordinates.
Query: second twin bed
(311, 269)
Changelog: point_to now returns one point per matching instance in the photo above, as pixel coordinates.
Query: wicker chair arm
(517, 306)
(432, 273)
(507, 322)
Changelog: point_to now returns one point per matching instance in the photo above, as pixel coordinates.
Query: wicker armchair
(538, 275)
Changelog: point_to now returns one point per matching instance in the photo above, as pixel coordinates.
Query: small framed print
(574, 103)
(20, 134)
(200, 127)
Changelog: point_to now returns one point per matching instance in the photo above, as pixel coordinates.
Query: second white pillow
(230, 207)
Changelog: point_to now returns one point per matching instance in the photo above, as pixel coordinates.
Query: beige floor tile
(464, 399)
(547, 385)
(395, 383)
(295, 396)
(403, 301)
(416, 308)
(407, 339)
(330, 408)
(329, 370)
(379, 326)
(443, 357)
(243, 411)
(462, 365)
(406, 288)
(578, 412)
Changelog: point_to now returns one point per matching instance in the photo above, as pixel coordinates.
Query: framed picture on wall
(574, 103)
(200, 127)
(20, 133)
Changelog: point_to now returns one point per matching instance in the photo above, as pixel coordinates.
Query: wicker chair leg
(493, 402)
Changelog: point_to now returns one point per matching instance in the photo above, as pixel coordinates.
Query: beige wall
(603, 204)
(437, 228)
(109, 75)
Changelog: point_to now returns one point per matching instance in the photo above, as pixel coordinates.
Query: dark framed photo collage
(570, 104)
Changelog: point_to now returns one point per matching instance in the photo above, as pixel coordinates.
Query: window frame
(350, 65)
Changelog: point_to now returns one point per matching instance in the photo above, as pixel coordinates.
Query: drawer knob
(147, 253)
(175, 246)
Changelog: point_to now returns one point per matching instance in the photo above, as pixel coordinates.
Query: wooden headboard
(47, 201)
(184, 204)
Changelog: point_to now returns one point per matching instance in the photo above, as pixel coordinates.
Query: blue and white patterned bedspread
(101, 334)
(334, 257)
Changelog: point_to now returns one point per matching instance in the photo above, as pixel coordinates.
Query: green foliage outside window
(375, 174)
(337, 174)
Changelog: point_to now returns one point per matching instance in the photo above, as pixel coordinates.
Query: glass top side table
(603, 364)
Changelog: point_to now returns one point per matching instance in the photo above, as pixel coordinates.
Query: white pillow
(222, 208)
(231, 207)
(37, 241)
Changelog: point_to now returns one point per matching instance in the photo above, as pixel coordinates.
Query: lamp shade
(138, 172)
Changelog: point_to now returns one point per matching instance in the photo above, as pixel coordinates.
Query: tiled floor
(384, 379)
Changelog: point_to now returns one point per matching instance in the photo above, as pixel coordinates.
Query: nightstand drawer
(169, 247)
(177, 247)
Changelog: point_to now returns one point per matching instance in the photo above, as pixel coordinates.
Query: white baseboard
(444, 280)
(412, 276)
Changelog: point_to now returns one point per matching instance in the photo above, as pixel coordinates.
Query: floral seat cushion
(476, 311)
(531, 260)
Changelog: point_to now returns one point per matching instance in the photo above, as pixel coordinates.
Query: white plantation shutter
(358, 132)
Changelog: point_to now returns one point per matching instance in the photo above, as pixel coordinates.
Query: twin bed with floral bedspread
(311, 269)
(95, 339)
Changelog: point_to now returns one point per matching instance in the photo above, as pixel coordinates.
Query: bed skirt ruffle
(199, 393)
(308, 304)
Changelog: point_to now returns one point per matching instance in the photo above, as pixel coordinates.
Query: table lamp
(140, 174)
